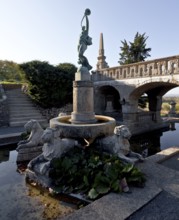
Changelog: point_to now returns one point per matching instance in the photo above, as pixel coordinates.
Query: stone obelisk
(101, 64)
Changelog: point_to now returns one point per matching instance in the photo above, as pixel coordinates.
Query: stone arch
(155, 92)
(160, 87)
(107, 100)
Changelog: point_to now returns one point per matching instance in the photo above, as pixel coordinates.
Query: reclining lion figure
(34, 138)
(119, 145)
(53, 147)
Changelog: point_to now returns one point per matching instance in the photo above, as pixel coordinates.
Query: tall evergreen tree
(134, 52)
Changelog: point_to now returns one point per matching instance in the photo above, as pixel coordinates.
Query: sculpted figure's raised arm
(84, 41)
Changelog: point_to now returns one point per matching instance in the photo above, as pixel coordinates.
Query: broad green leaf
(102, 189)
(111, 172)
(128, 168)
(93, 194)
(115, 186)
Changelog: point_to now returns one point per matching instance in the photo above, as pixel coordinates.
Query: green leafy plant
(48, 85)
(92, 173)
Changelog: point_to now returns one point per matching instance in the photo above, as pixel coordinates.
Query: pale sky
(48, 30)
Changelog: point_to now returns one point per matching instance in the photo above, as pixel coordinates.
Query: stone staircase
(22, 109)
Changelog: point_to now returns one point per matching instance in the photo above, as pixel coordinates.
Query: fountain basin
(104, 126)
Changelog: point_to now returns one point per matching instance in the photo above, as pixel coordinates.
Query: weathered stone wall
(4, 113)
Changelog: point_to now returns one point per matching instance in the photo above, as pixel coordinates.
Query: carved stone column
(83, 104)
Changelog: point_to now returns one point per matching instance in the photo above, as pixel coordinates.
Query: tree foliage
(142, 101)
(50, 86)
(69, 71)
(10, 71)
(135, 51)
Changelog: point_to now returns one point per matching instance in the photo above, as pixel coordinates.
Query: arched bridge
(119, 89)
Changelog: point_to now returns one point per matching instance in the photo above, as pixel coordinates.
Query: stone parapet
(158, 67)
(4, 113)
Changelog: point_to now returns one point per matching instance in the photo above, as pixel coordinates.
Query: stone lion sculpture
(34, 138)
(119, 144)
(53, 147)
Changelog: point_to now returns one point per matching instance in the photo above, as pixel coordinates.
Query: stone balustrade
(157, 67)
(4, 115)
(146, 116)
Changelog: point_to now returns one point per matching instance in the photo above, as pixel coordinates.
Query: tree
(68, 71)
(134, 52)
(10, 71)
(143, 100)
(68, 68)
(49, 86)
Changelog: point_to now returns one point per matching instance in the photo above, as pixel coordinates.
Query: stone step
(17, 95)
(43, 123)
(14, 97)
(21, 104)
(15, 100)
(30, 108)
(17, 116)
(12, 139)
(24, 114)
(19, 101)
(18, 107)
(25, 108)
(21, 115)
(14, 93)
(26, 118)
(22, 109)
(14, 103)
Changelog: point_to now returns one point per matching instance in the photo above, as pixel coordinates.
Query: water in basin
(20, 200)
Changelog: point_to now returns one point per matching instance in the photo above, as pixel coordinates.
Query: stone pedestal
(83, 104)
(82, 74)
(27, 154)
(42, 180)
(172, 111)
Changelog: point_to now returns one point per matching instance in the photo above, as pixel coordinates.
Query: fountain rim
(103, 121)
